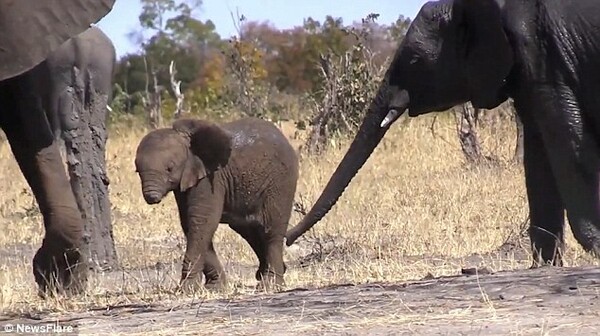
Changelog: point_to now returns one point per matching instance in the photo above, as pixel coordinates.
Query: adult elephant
(543, 54)
(29, 31)
(79, 90)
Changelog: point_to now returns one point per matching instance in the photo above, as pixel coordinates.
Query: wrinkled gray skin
(80, 89)
(543, 54)
(29, 31)
(242, 173)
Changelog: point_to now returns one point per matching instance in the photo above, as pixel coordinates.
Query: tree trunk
(152, 101)
(467, 134)
(84, 133)
(176, 87)
(154, 104)
(318, 137)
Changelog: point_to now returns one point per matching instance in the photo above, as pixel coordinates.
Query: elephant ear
(193, 171)
(488, 51)
(208, 141)
(31, 29)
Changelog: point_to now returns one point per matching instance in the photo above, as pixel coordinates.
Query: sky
(281, 13)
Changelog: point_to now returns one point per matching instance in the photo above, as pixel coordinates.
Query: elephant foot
(192, 284)
(59, 273)
(539, 264)
(269, 282)
(539, 261)
(216, 285)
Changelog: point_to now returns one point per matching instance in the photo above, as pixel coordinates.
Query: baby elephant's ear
(210, 142)
(193, 171)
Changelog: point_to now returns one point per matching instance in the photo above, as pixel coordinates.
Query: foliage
(264, 71)
(347, 85)
(174, 35)
(247, 86)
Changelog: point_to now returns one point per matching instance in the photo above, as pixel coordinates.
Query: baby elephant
(242, 173)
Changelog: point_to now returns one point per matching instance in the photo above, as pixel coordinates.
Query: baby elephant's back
(261, 152)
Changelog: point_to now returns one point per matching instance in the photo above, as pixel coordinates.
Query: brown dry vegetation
(415, 210)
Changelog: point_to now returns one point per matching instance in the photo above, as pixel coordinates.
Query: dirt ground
(545, 301)
(443, 251)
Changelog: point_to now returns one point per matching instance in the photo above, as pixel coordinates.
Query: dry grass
(413, 210)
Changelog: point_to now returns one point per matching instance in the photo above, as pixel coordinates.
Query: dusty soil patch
(548, 301)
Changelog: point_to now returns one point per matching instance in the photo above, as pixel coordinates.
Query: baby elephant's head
(177, 158)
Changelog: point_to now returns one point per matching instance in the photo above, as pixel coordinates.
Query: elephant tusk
(392, 115)
(109, 108)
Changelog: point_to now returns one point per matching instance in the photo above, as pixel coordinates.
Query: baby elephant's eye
(170, 168)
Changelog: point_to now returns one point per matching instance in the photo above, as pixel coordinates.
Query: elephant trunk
(152, 189)
(389, 104)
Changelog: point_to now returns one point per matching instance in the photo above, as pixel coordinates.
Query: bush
(348, 84)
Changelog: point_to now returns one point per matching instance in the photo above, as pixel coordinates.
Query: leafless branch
(176, 87)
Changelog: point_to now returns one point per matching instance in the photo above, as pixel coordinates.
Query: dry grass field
(414, 211)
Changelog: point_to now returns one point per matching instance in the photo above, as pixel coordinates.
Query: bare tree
(319, 133)
(176, 87)
(467, 133)
(152, 100)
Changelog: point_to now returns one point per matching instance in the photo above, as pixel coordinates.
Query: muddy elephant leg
(203, 212)
(546, 209)
(253, 233)
(274, 232)
(58, 265)
(198, 256)
(276, 269)
(182, 207)
(277, 213)
(213, 270)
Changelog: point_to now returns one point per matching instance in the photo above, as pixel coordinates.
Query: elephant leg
(200, 211)
(274, 273)
(275, 257)
(194, 259)
(546, 209)
(213, 270)
(277, 212)
(200, 256)
(58, 265)
(274, 232)
(574, 154)
(182, 207)
(251, 232)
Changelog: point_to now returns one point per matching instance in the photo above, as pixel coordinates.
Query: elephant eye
(415, 59)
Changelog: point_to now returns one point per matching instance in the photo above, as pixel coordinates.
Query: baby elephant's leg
(213, 270)
(252, 233)
(199, 253)
(277, 213)
(273, 240)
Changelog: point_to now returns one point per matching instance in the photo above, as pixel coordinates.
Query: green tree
(172, 27)
(169, 32)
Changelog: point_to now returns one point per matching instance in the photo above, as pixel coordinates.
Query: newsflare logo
(36, 329)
